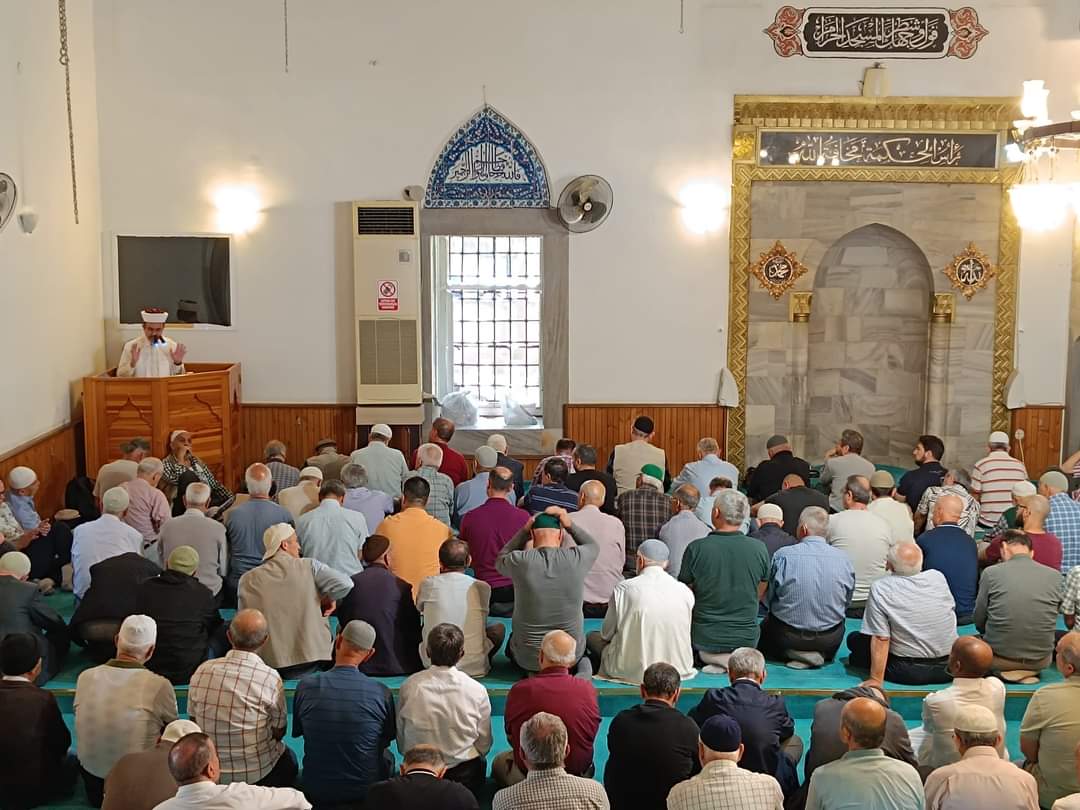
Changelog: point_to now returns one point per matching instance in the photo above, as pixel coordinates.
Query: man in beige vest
(305, 495)
(627, 459)
(296, 595)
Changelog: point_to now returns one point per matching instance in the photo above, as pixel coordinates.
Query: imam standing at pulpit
(152, 354)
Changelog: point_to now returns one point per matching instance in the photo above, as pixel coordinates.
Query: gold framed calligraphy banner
(879, 149)
(876, 33)
(778, 269)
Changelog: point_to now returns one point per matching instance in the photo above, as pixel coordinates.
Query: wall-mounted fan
(7, 199)
(585, 203)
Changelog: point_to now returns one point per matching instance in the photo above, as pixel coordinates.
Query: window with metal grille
(492, 287)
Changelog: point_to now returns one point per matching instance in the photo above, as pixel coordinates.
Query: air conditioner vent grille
(385, 220)
(388, 352)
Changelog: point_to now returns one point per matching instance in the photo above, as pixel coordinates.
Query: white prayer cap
(138, 631)
(655, 550)
(311, 472)
(21, 477)
(154, 315)
(382, 430)
(360, 634)
(175, 433)
(770, 511)
(998, 437)
(486, 457)
(274, 538)
(15, 563)
(179, 728)
(498, 442)
(115, 500)
(1023, 489)
(975, 720)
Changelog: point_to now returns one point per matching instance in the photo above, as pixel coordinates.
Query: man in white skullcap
(385, 465)
(101, 539)
(23, 609)
(152, 354)
(48, 545)
(141, 780)
(121, 706)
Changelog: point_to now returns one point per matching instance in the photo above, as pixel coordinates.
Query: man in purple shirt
(487, 529)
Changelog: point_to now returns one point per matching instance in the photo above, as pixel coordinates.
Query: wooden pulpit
(204, 401)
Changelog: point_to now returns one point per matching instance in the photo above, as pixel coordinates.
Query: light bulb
(704, 204)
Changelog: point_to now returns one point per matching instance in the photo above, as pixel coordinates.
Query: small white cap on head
(486, 456)
(115, 500)
(154, 317)
(998, 437)
(138, 631)
(360, 634)
(175, 433)
(311, 472)
(1023, 489)
(382, 430)
(179, 728)
(975, 719)
(770, 511)
(655, 550)
(497, 442)
(15, 563)
(21, 477)
(275, 537)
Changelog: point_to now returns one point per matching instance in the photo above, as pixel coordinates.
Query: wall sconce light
(703, 206)
(237, 209)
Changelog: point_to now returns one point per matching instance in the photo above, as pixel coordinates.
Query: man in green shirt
(1050, 729)
(728, 573)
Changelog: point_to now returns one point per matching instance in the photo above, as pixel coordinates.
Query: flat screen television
(187, 276)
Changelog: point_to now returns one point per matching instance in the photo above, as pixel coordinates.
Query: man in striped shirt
(993, 477)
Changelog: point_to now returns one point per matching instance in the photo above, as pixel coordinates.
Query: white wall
(194, 94)
(51, 323)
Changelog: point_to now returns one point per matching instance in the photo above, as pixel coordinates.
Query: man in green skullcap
(643, 511)
(187, 617)
(549, 583)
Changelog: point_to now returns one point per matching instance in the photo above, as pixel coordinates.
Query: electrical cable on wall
(285, 10)
(65, 60)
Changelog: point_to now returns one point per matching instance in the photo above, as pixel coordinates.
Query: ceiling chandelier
(1040, 203)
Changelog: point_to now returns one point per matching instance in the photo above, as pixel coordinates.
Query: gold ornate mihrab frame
(902, 114)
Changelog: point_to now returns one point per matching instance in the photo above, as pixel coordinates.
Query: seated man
(125, 468)
(440, 500)
(285, 475)
(498, 443)
(993, 477)
(385, 465)
(956, 482)
(295, 595)
(549, 582)
(454, 597)
(884, 504)
(552, 490)
(910, 623)
(564, 452)
(810, 587)
(421, 784)
(1032, 512)
(328, 459)
(728, 572)
(246, 524)
(120, 707)
(770, 530)
(684, 526)
(979, 777)
(304, 496)
(1049, 733)
(643, 510)
(795, 496)
(843, 462)
(100, 539)
(768, 731)
(141, 780)
(487, 529)
(1010, 518)
(863, 536)
(240, 702)
(332, 534)
(948, 548)
(1064, 519)
(768, 477)
(584, 463)
(652, 746)
(723, 782)
(148, 508)
(347, 722)
(1016, 610)
(444, 707)
(374, 504)
(384, 601)
(648, 620)
(49, 546)
(196, 769)
(186, 615)
(195, 530)
(472, 493)
(928, 452)
(109, 600)
(864, 776)
(415, 536)
(35, 767)
(553, 689)
(453, 464)
(23, 610)
(969, 665)
(610, 535)
(708, 466)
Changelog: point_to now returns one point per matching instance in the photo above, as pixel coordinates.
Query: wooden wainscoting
(299, 426)
(1042, 426)
(55, 457)
(678, 427)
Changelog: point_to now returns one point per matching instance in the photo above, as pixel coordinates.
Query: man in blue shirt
(553, 491)
(347, 721)
(245, 525)
(949, 549)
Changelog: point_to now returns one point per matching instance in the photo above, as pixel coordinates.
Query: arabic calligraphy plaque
(777, 269)
(970, 271)
(879, 149)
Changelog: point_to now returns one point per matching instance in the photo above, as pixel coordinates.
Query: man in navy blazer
(768, 731)
(421, 785)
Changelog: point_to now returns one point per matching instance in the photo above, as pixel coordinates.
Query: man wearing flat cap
(328, 460)
(152, 354)
(627, 459)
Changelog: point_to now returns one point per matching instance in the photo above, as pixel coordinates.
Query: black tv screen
(187, 276)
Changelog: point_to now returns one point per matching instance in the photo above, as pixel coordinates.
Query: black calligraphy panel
(839, 33)
(879, 149)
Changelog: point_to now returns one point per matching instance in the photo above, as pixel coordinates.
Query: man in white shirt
(152, 354)
(100, 539)
(648, 620)
(610, 534)
(969, 664)
(385, 465)
(332, 534)
(863, 536)
(444, 707)
(708, 466)
(194, 764)
(454, 597)
(884, 504)
(684, 526)
(120, 707)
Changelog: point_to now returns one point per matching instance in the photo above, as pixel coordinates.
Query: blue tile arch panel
(488, 163)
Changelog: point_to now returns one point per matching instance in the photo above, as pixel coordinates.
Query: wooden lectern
(204, 401)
